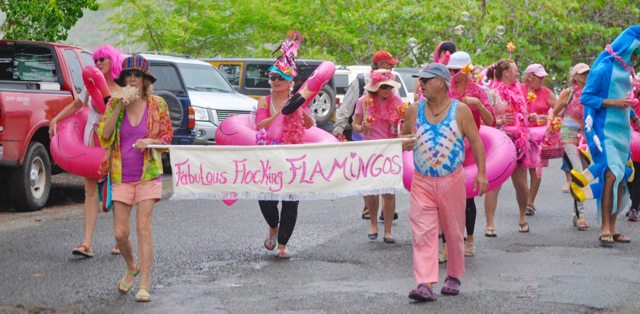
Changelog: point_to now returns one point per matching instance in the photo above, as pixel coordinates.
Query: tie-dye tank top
(439, 147)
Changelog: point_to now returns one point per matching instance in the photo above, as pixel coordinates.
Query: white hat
(458, 60)
(379, 78)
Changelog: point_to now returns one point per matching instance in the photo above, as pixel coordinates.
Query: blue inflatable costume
(607, 128)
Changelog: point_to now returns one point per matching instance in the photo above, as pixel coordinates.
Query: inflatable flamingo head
(285, 65)
(516, 126)
(113, 54)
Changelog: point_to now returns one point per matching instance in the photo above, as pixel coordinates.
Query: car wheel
(175, 108)
(323, 105)
(31, 182)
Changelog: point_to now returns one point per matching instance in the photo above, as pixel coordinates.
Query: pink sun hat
(537, 70)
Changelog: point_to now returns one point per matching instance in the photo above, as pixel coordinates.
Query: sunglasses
(454, 71)
(424, 80)
(100, 59)
(137, 74)
(273, 78)
(385, 86)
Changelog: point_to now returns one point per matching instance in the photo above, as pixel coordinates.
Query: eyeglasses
(100, 59)
(273, 78)
(454, 71)
(385, 86)
(137, 74)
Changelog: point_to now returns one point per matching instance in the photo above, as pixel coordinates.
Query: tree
(555, 34)
(42, 20)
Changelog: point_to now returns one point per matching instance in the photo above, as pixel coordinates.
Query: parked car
(251, 77)
(351, 73)
(199, 83)
(37, 80)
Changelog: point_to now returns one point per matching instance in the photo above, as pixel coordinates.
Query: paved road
(209, 258)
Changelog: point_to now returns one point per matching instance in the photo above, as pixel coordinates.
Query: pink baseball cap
(537, 70)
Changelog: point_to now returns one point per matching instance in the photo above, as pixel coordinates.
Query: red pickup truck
(37, 80)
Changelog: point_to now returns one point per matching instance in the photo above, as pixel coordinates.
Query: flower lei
(372, 110)
(377, 77)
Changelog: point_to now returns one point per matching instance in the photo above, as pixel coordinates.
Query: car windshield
(204, 78)
(408, 79)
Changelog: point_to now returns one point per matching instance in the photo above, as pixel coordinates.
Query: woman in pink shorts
(376, 118)
(132, 121)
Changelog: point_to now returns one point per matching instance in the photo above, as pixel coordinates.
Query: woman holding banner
(281, 76)
(132, 121)
(376, 118)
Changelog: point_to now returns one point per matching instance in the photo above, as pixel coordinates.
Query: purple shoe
(422, 293)
(451, 286)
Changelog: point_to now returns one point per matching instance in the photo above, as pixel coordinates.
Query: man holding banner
(438, 189)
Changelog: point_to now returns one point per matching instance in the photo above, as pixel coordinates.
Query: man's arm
(346, 108)
(470, 131)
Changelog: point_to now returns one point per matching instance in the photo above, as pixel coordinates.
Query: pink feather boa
(373, 108)
(377, 77)
(294, 127)
(528, 150)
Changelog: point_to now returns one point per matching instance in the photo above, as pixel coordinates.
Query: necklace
(435, 115)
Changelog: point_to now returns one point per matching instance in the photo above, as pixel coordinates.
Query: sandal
(115, 250)
(490, 233)
(124, 285)
(620, 238)
(283, 254)
(442, 257)
(582, 226)
(522, 225)
(469, 249)
(531, 210)
(451, 286)
(140, 297)
(365, 213)
(82, 250)
(269, 242)
(603, 242)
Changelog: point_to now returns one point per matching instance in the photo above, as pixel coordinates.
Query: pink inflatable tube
(239, 130)
(537, 133)
(96, 86)
(68, 149)
(501, 161)
(311, 87)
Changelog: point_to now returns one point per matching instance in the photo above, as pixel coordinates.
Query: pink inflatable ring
(68, 149)
(239, 130)
(501, 161)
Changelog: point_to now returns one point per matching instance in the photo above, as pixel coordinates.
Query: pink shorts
(132, 193)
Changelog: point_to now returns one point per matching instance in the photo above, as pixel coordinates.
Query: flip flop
(617, 236)
(116, 250)
(531, 210)
(365, 213)
(603, 242)
(84, 252)
(525, 224)
(490, 235)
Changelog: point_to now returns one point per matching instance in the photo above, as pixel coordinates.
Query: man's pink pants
(433, 198)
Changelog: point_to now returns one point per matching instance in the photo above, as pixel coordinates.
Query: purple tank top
(132, 159)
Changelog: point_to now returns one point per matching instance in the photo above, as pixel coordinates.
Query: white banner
(287, 172)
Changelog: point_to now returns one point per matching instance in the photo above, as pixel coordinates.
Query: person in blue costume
(607, 113)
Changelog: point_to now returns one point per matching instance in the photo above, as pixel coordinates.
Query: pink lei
(293, 128)
(373, 109)
(528, 150)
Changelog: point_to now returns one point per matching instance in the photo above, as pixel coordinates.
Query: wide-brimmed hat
(137, 63)
(379, 78)
(537, 70)
(458, 60)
